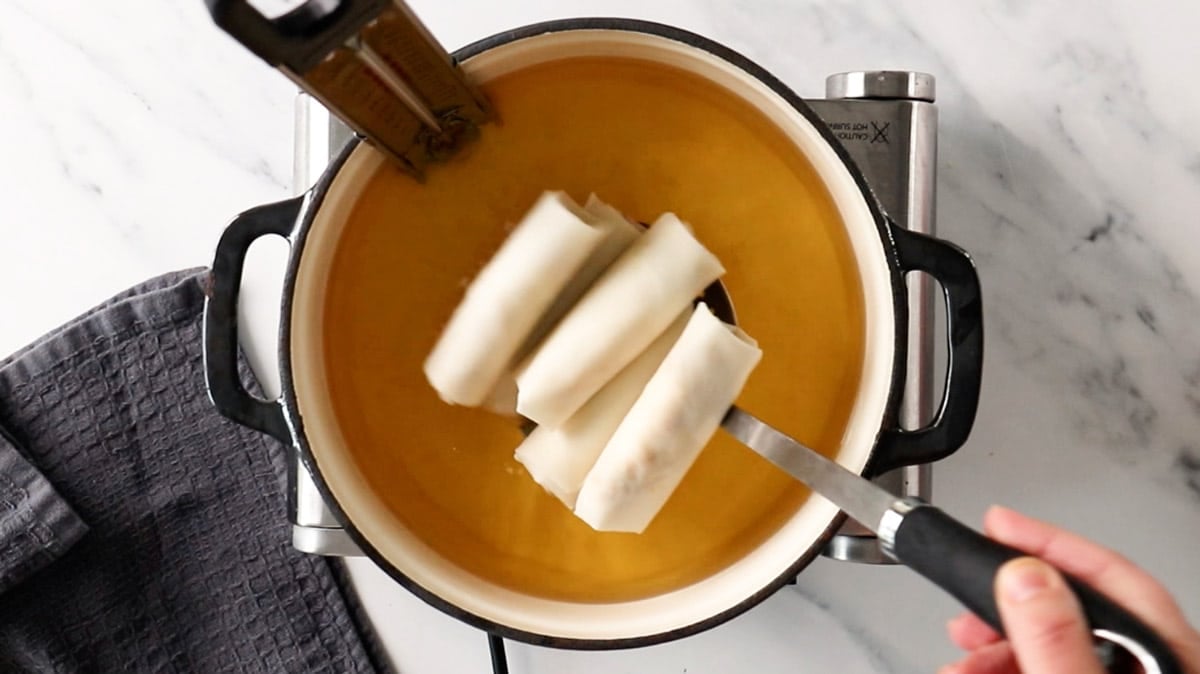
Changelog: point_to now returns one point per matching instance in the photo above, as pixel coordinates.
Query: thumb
(1042, 620)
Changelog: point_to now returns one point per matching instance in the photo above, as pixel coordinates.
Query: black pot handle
(220, 318)
(951, 425)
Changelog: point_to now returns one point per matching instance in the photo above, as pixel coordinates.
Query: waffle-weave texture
(140, 531)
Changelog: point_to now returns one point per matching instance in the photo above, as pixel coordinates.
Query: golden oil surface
(646, 138)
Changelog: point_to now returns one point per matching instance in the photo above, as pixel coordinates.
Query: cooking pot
(871, 443)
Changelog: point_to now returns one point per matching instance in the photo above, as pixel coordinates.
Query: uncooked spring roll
(559, 457)
(673, 419)
(630, 305)
(507, 298)
(619, 233)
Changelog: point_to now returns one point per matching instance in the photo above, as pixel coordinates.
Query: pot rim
(312, 203)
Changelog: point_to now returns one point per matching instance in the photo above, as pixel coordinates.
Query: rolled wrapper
(507, 298)
(619, 234)
(630, 305)
(560, 457)
(673, 419)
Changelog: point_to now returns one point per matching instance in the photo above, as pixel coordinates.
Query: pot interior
(651, 125)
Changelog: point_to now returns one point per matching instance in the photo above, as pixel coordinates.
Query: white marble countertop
(1069, 166)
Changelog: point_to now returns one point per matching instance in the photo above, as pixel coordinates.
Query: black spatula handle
(964, 563)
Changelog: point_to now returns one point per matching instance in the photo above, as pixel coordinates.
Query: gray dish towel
(139, 530)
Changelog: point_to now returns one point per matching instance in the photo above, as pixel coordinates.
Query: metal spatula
(956, 558)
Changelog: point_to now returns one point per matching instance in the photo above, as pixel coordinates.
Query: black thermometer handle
(964, 563)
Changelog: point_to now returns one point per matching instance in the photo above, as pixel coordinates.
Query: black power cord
(499, 657)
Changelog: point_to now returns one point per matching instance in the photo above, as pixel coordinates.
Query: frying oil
(646, 138)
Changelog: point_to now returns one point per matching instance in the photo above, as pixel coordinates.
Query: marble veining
(1069, 166)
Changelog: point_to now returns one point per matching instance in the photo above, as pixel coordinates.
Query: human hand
(1047, 633)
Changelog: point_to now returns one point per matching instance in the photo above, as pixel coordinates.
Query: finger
(994, 658)
(968, 632)
(1043, 620)
(1110, 573)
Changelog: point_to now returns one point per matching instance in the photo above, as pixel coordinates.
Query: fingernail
(1023, 579)
(956, 621)
(997, 510)
(950, 669)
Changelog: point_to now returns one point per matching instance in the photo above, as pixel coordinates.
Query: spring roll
(507, 298)
(559, 457)
(673, 419)
(619, 234)
(630, 305)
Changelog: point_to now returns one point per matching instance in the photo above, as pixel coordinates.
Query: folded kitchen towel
(139, 530)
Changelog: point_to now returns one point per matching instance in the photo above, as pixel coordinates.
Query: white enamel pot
(872, 443)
